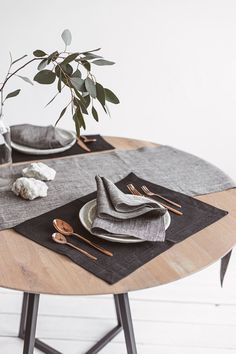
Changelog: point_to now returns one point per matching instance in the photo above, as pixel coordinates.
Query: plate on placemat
(87, 215)
(31, 151)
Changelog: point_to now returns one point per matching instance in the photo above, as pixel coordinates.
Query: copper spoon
(59, 238)
(82, 145)
(66, 229)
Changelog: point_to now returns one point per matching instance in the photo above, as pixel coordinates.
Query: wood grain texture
(27, 266)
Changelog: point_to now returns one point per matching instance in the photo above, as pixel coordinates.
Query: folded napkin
(123, 214)
(48, 137)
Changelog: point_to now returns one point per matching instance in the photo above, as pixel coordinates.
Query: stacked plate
(32, 151)
(87, 214)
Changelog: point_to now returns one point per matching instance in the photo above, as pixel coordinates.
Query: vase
(5, 156)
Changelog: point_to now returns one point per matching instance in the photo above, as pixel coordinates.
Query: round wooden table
(33, 269)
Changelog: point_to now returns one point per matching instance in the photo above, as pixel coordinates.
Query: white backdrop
(175, 71)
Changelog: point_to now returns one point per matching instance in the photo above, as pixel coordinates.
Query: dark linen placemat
(127, 257)
(99, 145)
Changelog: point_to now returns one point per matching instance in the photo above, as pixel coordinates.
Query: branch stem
(14, 72)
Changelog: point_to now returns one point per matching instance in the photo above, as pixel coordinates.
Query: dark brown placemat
(99, 145)
(127, 257)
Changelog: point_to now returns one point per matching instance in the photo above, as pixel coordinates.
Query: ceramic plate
(32, 151)
(87, 214)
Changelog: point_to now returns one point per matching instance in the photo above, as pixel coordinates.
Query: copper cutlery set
(65, 230)
(83, 140)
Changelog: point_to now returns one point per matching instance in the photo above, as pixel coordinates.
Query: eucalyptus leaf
(67, 69)
(80, 118)
(53, 56)
(51, 100)
(39, 53)
(11, 59)
(86, 64)
(100, 94)
(111, 97)
(46, 77)
(78, 83)
(13, 94)
(77, 73)
(90, 51)
(87, 100)
(79, 103)
(26, 79)
(102, 62)
(61, 114)
(90, 86)
(43, 64)
(77, 124)
(66, 36)
(59, 83)
(91, 56)
(69, 58)
(95, 114)
(15, 61)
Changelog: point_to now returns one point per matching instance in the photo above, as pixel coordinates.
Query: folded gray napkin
(48, 137)
(120, 214)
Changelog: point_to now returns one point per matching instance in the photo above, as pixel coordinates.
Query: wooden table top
(29, 267)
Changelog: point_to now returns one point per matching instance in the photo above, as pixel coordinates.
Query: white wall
(175, 72)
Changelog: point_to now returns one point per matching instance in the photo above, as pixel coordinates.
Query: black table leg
(22, 330)
(29, 319)
(126, 319)
(30, 324)
(23, 316)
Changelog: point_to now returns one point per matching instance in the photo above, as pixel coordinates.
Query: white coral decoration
(39, 171)
(29, 188)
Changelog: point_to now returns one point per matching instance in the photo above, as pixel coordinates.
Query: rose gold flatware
(59, 238)
(148, 192)
(82, 145)
(88, 140)
(134, 191)
(66, 229)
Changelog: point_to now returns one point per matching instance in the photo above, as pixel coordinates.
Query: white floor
(191, 316)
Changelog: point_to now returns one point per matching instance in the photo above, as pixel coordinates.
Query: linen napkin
(124, 215)
(38, 137)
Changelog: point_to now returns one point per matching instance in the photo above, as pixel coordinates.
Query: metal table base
(28, 325)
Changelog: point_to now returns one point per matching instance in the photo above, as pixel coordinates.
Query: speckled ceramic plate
(31, 151)
(87, 214)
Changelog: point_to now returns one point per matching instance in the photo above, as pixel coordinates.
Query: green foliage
(13, 94)
(67, 37)
(91, 87)
(26, 79)
(71, 71)
(102, 62)
(46, 77)
(110, 96)
(39, 53)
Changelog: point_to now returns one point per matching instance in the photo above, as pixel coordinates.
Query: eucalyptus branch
(64, 67)
(16, 71)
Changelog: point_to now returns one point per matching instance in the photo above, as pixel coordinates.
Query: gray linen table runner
(163, 165)
(120, 214)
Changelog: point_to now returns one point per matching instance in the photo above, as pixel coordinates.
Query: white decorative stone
(39, 170)
(29, 188)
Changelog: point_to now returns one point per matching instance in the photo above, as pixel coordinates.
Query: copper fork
(88, 140)
(148, 192)
(134, 191)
